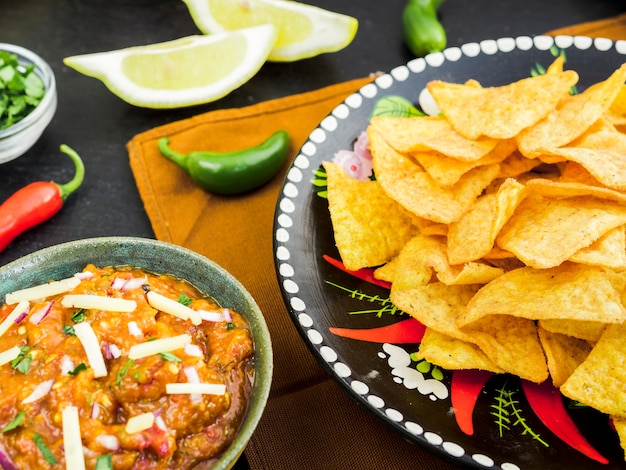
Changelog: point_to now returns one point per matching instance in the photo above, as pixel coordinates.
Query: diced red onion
(216, 315)
(19, 319)
(5, 461)
(37, 317)
(67, 365)
(193, 377)
(40, 391)
(115, 351)
(160, 422)
(193, 350)
(134, 329)
(118, 283)
(108, 441)
(135, 283)
(95, 410)
(84, 275)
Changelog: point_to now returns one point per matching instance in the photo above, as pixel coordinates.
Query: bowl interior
(64, 260)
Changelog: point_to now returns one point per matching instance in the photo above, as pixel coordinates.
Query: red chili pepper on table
(37, 202)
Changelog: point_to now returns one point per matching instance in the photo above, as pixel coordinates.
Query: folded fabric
(309, 421)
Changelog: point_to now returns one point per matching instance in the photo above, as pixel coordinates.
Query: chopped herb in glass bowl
(28, 99)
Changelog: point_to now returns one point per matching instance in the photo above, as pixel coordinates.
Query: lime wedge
(183, 72)
(303, 30)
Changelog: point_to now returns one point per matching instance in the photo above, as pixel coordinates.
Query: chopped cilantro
(230, 325)
(21, 90)
(183, 299)
(43, 448)
(80, 367)
(22, 362)
(78, 316)
(69, 330)
(104, 462)
(122, 372)
(171, 357)
(15, 422)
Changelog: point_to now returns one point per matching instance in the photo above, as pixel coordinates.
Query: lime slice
(184, 72)
(303, 30)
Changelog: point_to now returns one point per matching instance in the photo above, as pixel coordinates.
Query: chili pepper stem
(170, 154)
(79, 175)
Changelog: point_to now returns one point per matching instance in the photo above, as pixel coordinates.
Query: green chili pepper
(423, 33)
(232, 172)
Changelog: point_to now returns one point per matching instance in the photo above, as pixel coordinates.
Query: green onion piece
(171, 357)
(183, 299)
(104, 462)
(15, 422)
(80, 367)
(43, 448)
(122, 372)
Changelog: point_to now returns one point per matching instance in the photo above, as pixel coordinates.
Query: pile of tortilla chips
(501, 225)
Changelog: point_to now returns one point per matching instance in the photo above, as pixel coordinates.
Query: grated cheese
(173, 307)
(72, 442)
(140, 423)
(191, 388)
(90, 343)
(8, 355)
(20, 309)
(148, 348)
(42, 291)
(99, 302)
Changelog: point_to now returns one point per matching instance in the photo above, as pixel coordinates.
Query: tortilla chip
(430, 133)
(572, 117)
(599, 380)
(559, 189)
(469, 239)
(544, 232)
(369, 227)
(589, 331)
(620, 427)
(453, 354)
(570, 291)
(500, 112)
(512, 343)
(563, 353)
(609, 251)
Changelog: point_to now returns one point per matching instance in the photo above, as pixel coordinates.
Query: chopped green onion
(104, 462)
(80, 367)
(122, 372)
(43, 448)
(171, 357)
(183, 299)
(15, 422)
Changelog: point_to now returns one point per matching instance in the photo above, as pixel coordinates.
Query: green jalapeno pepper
(232, 172)
(423, 33)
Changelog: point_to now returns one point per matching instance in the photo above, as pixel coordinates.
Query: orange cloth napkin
(309, 422)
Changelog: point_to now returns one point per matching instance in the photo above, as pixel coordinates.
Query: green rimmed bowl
(61, 261)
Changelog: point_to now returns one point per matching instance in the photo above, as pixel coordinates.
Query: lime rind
(331, 31)
(108, 68)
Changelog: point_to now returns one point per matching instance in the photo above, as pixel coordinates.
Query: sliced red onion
(134, 329)
(21, 316)
(40, 391)
(193, 350)
(108, 441)
(160, 422)
(193, 377)
(67, 365)
(227, 315)
(95, 410)
(135, 283)
(37, 317)
(5, 461)
(84, 275)
(115, 351)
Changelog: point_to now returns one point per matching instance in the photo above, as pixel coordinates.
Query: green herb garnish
(80, 367)
(171, 357)
(43, 448)
(15, 422)
(122, 372)
(104, 462)
(22, 362)
(78, 316)
(21, 90)
(183, 299)
(68, 330)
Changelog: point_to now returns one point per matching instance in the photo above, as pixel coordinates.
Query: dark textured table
(98, 125)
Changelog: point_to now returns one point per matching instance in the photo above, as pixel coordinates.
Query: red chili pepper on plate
(364, 274)
(407, 331)
(547, 403)
(465, 387)
(37, 202)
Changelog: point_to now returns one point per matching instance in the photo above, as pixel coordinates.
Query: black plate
(507, 433)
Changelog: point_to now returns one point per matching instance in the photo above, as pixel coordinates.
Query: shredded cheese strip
(173, 307)
(99, 302)
(72, 442)
(139, 423)
(149, 348)
(20, 309)
(191, 388)
(42, 291)
(8, 355)
(90, 343)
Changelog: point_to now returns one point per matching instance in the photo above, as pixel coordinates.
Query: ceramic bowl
(21, 136)
(64, 260)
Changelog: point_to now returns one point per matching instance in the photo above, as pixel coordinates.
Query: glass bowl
(21, 136)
